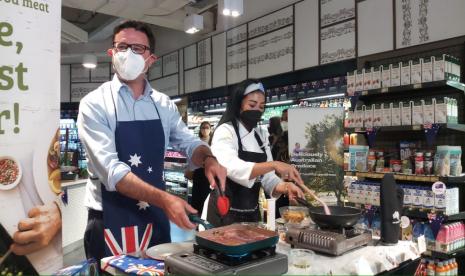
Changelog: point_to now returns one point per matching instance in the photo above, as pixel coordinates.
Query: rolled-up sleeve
(180, 138)
(224, 147)
(99, 142)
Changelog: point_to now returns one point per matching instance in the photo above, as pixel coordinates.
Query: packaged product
(455, 155)
(358, 158)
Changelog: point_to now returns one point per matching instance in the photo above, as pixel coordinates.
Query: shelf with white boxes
(412, 178)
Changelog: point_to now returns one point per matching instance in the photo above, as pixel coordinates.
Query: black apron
(243, 200)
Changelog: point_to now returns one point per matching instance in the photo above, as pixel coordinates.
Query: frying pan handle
(196, 219)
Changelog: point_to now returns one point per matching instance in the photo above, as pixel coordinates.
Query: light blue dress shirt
(97, 123)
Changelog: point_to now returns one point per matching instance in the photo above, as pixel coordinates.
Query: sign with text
(29, 119)
(316, 148)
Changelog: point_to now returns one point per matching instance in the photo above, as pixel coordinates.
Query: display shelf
(441, 255)
(407, 177)
(411, 88)
(456, 127)
(423, 214)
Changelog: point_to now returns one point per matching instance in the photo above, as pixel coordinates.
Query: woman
(200, 184)
(242, 148)
(275, 131)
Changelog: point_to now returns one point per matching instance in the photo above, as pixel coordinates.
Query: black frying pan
(340, 216)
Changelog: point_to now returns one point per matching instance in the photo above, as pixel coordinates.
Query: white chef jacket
(226, 149)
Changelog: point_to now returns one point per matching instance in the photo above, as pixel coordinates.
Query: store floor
(77, 254)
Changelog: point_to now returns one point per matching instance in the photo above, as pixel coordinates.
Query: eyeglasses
(135, 48)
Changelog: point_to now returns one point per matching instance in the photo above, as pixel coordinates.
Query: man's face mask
(128, 65)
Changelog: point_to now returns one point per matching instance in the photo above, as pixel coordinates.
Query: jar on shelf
(419, 163)
(428, 163)
(371, 161)
(406, 166)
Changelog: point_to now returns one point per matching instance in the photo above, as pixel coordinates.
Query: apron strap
(239, 140)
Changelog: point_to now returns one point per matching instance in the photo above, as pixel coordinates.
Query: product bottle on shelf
(430, 268)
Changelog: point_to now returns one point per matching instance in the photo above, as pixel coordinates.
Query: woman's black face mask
(250, 118)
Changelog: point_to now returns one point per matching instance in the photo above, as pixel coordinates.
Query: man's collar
(117, 85)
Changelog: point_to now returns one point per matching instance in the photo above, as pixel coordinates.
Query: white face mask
(284, 125)
(128, 65)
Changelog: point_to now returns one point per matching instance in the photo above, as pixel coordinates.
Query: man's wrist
(206, 157)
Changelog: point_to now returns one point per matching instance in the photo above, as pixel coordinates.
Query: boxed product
(417, 197)
(387, 115)
(426, 69)
(448, 202)
(350, 118)
(439, 68)
(359, 114)
(405, 72)
(350, 83)
(358, 80)
(367, 79)
(395, 74)
(376, 194)
(363, 196)
(352, 192)
(358, 158)
(440, 110)
(455, 153)
(445, 67)
(406, 113)
(396, 113)
(368, 120)
(417, 112)
(377, 115)
(416, 71)
(407, 195)
(386, 76)
(376, 77)
(442, 161)
(428, 198)
(428, 111)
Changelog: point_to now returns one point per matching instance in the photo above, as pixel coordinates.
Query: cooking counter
(366, 260)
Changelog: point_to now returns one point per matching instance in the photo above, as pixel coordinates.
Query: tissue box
(396, 114)
(367, 79)
(387, 115)
(428, 112)
(416, 71)
(376, 77)
(368, 120)
(395, 74)
(377, 115)
(359, 80)
(417, 113)
(426, 69)
(406, 114)
(405, 72)
(350, 83)
(386, 76)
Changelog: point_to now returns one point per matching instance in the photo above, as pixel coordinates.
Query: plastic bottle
(455, 267)
(447, 268)
(430, 268)
(440, 269)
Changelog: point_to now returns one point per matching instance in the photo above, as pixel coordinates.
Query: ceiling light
(233, 8)
(89, 61)
(324, 97)
(216, 110)
(279, 103)
(193, 23)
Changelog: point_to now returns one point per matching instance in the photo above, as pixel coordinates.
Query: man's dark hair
(138, 26)
(285, 110)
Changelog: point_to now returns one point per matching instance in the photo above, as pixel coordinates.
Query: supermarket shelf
(413, 178)
(423, 214)
(456, 127)
(441, 255)
(412, 88)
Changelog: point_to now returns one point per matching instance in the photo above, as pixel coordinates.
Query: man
(125, 127)
(284, 120)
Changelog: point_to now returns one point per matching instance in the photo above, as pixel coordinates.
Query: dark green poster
(316, 149)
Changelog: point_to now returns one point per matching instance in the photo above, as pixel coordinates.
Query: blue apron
(131, 225)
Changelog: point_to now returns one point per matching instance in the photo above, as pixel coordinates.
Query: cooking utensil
(304, 202)
(161, 251)
(197, 219)
(222, 202)
(312, 194)
(340, 216)
(237, 239)
(4, 257)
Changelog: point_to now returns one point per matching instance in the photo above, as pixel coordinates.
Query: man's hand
(290, 189)
(177, 211)
(214, 171)
(38, 230)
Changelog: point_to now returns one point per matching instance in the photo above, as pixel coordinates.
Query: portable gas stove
(203, 261)
(330, 241)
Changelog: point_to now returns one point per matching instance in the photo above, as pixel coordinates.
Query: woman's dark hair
(200, 128)
(275, 126)
(138, 26)
(233, 107)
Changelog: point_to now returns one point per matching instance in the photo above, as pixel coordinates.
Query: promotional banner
(316, 149)
(30, 219)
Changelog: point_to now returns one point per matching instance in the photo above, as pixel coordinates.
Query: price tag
(421, 244)
(439, 188)
(384, 90)
(364, 93)
(417, 86)
(416, 127)
(404, 222)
